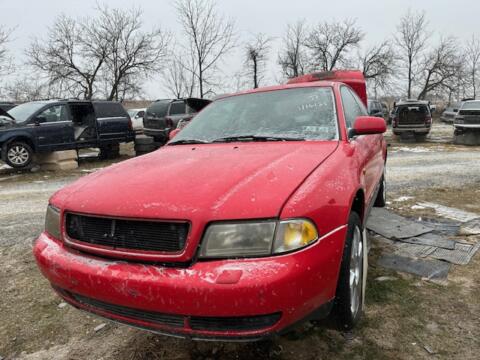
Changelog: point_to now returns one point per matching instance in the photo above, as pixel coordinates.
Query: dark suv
(412, 116)
(164, 115)
(53, 125)
(376, 108)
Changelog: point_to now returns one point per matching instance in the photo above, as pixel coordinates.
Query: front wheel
(349, 296)
(19, 155)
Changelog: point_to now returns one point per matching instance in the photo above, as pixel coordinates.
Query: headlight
(52, 222)
(249, 239)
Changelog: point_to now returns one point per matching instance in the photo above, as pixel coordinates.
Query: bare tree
(412, 40)
(256, 56)
(292, 57)
(179, 80)
(439, 66)
(472, 56)
(131, 53)
(5, 63)
(378, 64)
(209, 36)
(71, 56)
(331, 42)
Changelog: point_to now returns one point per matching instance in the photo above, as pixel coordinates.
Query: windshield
(471, 105)
(292, 114)
(22, 112)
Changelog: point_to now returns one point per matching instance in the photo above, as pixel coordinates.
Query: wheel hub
(356, 271)
(18, 155)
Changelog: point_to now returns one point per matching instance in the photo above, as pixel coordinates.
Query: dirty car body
(249, 238)
(468, 116)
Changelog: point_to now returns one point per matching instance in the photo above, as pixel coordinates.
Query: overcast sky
(377, 19)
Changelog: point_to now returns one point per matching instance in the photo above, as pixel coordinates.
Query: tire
(18, 155)
(145, 148)
(381, 199)
(348, 304)
(109, 152)
(144, 140)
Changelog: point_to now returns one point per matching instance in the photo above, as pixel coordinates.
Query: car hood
(207, 182)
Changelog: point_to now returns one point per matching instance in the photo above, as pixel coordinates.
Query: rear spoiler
(197, 104)
(352, 78)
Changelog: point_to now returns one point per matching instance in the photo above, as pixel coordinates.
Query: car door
(53, 128)
(177, 111)
(368, 148)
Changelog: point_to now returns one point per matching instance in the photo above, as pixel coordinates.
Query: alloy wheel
(356, 271)
(18, 155)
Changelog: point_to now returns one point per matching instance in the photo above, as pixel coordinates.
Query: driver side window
(54, 113)
(351, 108)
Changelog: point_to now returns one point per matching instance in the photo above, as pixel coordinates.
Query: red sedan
(249, 221)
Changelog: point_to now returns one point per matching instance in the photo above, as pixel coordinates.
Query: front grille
(471, 119)
(127, 234)
(245, 323)
(176, 321)
(219, 324)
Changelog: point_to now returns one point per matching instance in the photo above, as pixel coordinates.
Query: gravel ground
(402, 319)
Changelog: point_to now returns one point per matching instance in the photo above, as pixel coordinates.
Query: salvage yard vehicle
(468, 117)
(254, 222)
(137, 119)
(412, 117)
(163, 116)
(375, 108)
(54, 125)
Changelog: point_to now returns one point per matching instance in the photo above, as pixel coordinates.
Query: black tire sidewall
(26, 146)
(341, 312)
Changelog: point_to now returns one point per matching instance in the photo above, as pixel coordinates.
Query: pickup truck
(54, 125)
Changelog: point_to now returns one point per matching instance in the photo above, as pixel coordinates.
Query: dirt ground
(405, 317)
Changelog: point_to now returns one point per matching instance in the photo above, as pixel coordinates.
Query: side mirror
(39, 120)
(173, 133)
(367, 125)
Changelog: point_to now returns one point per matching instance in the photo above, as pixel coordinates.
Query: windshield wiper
(188, 142)
(257, 138)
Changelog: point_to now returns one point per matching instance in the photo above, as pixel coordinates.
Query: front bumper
(223, 299)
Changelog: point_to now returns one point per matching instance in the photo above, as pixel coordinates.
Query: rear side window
(351, 106)
(109, 109)
(177, 108)
(159, 108)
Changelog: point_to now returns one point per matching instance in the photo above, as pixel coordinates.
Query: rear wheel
(19, 155)
(349, 296)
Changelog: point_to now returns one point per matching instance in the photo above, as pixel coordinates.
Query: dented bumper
(232, 299)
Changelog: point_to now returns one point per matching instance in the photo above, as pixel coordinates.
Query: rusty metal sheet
(431, 239)
(429, 269)
(462, 254)
(393, 226)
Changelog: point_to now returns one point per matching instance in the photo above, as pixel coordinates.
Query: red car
(249, 221)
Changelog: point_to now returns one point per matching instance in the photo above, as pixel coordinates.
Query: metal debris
(471, 227)
(451, 213)
(393, 226)
(429, 269)
(462, 254)
(431, 239)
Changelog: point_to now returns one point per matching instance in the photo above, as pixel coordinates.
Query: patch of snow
(403, 198)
